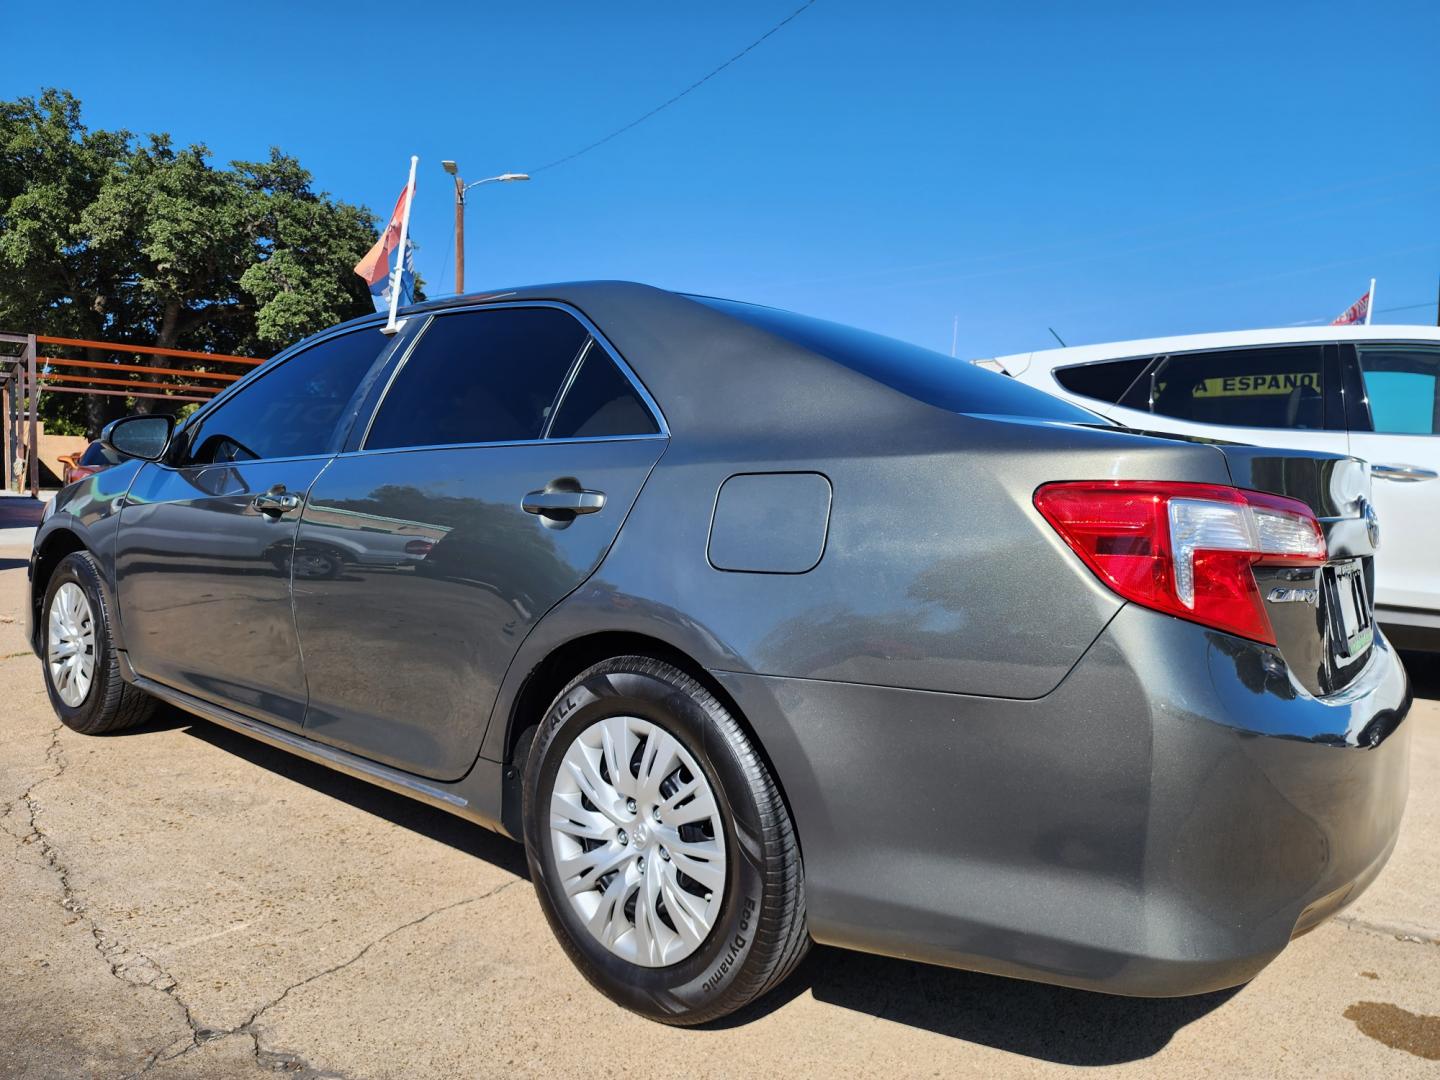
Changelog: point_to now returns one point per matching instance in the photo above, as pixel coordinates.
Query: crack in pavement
(128, 966)
(136, 969)
(1415, 935)
(283, 1060)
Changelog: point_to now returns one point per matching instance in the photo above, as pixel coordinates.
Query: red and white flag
(375, 266)
(388, 288)
(1358, 313)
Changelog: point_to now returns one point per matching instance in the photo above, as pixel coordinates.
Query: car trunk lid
(1323, 617)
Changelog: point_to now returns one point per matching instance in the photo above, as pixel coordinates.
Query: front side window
(1267, 388)
(479, 377)
(1402, 388)
(293, 410)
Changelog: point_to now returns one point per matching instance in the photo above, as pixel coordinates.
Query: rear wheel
(661, 850)
(82, 669)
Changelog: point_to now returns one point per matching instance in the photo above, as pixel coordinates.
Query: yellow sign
(1256, 385)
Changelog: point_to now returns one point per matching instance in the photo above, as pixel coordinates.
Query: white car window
(1402, 388)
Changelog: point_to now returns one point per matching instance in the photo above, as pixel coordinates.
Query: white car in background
(1369, 391)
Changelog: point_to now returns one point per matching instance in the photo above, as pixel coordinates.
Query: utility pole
(32, 456)
(459, 237)
(461, 188)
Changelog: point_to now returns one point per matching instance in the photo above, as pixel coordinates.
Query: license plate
(1350, 614)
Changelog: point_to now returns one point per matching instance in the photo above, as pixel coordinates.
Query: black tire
(112, 704)
(759, 934)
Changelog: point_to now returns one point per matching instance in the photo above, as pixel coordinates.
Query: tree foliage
(112, 236)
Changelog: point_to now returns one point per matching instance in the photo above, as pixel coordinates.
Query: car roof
(1047, 359)
(718, 374)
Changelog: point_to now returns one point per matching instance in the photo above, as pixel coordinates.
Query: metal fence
(25, 375)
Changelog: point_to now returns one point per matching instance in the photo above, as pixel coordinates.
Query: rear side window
(1266, 388)
(927, 376)
(601, 402)
(292, 410)
(1402, 388)
(479, 376)
(1117, 381)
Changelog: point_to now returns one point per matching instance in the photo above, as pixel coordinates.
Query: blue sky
(1113, 170)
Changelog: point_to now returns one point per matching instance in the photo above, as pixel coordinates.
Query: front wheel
(82, 670)
(662, 852)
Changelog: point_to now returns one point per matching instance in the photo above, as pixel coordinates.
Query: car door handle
(1404, 474)
(551, 503)
(276, 503)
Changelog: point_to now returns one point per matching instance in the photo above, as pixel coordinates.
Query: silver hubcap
(638, 841)
(71, 644)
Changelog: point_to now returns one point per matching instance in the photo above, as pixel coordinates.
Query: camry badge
(1293, 596)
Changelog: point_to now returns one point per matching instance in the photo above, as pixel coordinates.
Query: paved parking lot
(181, 902)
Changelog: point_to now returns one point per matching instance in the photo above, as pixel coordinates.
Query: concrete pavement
(184, 903)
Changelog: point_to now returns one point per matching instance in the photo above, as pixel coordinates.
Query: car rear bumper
(1161, 824)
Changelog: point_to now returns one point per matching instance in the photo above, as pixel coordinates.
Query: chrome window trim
(371, 452)
(650, 403)
(241, 463)
(565, 384)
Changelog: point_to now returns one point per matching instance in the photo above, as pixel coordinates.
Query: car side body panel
(404, 656)
(938, 573)
(89, 511)
(203, 580)
(991, 760)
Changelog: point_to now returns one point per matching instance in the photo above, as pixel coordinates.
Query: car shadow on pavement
(1050, 1023)
(1424, 669)
(455, 832)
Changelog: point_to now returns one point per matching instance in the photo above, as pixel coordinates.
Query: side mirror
(143, 437)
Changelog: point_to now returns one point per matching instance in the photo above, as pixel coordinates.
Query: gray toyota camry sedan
(759, 630)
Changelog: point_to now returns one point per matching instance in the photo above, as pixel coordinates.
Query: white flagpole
(1370, 307)
(390, 325)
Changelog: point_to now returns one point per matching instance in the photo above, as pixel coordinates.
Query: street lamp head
(509, 176)
(449, 166)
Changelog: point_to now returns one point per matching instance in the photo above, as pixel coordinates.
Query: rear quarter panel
(937, 574)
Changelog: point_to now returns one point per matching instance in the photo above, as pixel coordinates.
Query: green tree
(106, 235)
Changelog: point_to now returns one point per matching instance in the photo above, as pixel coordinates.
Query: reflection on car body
(759, 630)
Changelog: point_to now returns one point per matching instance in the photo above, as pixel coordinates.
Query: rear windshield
(928, 376)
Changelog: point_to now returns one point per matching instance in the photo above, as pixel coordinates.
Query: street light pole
(461, 188)
(459, 236)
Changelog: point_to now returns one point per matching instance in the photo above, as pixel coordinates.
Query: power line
(693, 86)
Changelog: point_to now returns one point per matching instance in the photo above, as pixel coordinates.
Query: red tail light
(1185, 549)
